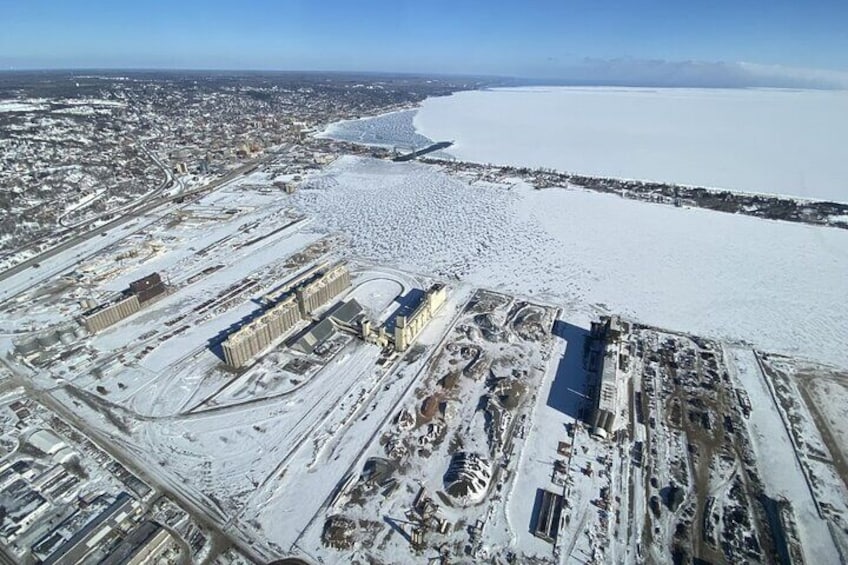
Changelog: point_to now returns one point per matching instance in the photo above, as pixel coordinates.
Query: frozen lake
(772, 141)
(777, 285)
(395, 129)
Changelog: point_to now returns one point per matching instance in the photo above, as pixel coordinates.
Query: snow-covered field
(774, 284)
(772, 141)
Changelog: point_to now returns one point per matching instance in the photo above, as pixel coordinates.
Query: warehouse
(104, 526)
(145, 544)
(320, 333)
(148, 287)
(348, 314)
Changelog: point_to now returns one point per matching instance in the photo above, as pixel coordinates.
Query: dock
(420, 152)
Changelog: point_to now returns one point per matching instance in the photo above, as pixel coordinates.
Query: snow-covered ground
(774, 284)
(779, 466)
(772, 141)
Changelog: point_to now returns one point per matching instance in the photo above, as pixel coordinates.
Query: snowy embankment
(32, 105)
(769, 141)
(774, 284)
(779, 466)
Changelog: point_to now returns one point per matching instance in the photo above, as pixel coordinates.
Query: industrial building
(407, 328)
(97, 532)
(49, 443)
(148, 287)
(34, 347)
(346, 316)
(319, 291)
(126, 304)
(242, 345)
(293, 301)
(110, 313)
(145, 544)
(607, 361)
(315, 337)
(548, 519)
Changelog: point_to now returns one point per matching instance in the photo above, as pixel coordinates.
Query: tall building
(319, 291)
(107, 314)
(243, 344)
(407, 328)
(311, 290)
(128, 303)
(147, 287)
(610, 364)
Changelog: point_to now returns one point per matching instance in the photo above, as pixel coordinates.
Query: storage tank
(66, 335)
(48, 339)
(27, 345)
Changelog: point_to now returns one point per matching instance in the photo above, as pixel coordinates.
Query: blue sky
(531, 38)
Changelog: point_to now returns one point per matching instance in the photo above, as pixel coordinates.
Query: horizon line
(496, 79)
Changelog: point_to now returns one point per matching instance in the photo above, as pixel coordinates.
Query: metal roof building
(347, 313)
(142, 545)
(320, 332)
(105, 525)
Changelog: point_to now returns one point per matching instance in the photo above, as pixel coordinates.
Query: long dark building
(142, 545)
(104, 526)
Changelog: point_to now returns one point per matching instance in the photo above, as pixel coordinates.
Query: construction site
(443, 463)
(657, 459)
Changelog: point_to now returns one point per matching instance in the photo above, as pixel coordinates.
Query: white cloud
(660, 72)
